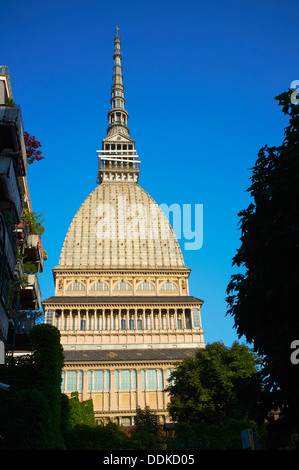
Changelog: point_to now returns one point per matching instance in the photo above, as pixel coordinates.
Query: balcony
(30, 296)
(3, 323)
(34, 251)
(21, 233)
(12, 135)
(9, 259)
(9, 184)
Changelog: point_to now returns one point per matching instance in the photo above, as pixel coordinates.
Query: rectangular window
(125, 380)
(133, 379)
(160, 378)
(71, 380)
(49, 317)
(107, 380)
(195, 313)
(98, 380)
(151, 379)
(143, 379)
(80, 380)
(126, 421)
(89, 383)
(123, 324)
(63, 381)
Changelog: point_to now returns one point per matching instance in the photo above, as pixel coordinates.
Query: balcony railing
(10, 258)
(3, 323)
(24, 325)
(30, 296)
(34, 251)
(9, 184)
(22, 233)
(12, 134)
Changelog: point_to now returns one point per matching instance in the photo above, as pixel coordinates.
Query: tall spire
(118, 159)
(117, 116)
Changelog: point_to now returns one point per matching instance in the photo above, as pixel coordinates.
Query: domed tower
(122, 301)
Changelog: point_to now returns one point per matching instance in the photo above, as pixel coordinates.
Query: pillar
(85, 385)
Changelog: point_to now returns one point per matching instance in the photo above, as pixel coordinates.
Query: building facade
(122, 301)
(21, 251)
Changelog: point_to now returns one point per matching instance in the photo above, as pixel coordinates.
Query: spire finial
(118, 160)
(117, 115)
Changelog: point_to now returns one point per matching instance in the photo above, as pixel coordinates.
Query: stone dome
(119, 226)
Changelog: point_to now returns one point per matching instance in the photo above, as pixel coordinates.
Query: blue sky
(200, 81)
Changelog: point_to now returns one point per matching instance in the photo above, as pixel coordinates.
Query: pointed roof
(117, 115)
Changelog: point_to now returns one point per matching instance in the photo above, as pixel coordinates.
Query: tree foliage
(146, 420)
(101, 437)
(207, 384)
(80, 412)
(33, 222)
(207, 398)
(32, 146)
(31, 411)
(264, 300)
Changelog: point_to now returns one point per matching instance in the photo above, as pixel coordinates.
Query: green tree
(146, 420)
(264, 299)
(147, 431)
(207, 384)
(30, 413)
(101, 437)
(48, 360)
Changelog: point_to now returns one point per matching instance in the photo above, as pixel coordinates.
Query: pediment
(118, 138)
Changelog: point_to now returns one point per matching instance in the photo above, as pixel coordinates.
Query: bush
(102, 437)
(24, 418)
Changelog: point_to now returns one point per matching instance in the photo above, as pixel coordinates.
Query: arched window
(168, 286)
(122, 285)
(74, 286)
(146, 286)
(99, 286)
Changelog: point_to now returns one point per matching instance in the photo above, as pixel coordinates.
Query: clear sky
(200, 80)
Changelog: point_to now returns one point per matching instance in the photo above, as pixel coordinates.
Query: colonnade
(123, 319)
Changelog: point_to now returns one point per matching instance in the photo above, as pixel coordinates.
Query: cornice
(119, 364)
(117, 272)
(120, 304)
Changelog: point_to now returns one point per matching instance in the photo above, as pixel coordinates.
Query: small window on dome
(123, 286)
(169, 286)
(75, 286)
(99, 286)
(145, 286)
